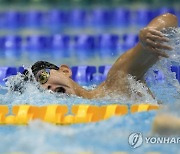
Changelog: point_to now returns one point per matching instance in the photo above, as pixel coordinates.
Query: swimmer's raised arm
(139, 59)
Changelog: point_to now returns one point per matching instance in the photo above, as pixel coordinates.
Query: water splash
(32, 93)
(169, 90)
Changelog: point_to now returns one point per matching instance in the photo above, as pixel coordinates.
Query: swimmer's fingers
(156, 32)
(162, 46)
(158, 45)
(157, 38)
(153, 38)
(158, 52)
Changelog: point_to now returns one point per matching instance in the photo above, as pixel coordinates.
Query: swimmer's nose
(52, 88)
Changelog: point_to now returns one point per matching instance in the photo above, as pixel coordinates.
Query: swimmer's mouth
(60, 90)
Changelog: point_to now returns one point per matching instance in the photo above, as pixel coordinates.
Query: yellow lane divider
(143, 107)
(3, 111)
(58, 114)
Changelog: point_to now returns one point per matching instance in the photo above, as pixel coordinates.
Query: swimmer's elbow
(169, 20)
(164, 21)
(172, 18)
(170, 15)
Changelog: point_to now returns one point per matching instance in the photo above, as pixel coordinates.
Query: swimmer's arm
(139, 59)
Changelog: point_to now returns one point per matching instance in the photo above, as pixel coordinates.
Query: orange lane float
(3, 111)
(143, 107)
(58, 114)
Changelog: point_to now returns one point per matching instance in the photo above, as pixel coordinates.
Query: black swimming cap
(39, 65)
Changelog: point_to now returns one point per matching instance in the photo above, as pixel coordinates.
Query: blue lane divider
(11, 46)
(37, 46)
(178, 15)
(143, 16)
(121, 17)
(33, 18)
(57, 19)
(158, 76)
(20, 69)
(13, 19)
(77, 18)
(89, 74)
(129, 41)
(108, 45)
(176, 69)
(6, 72)
(84, 46)
(83, 74)
(104, 71)
(60, 46)
(2, 20)
(101, 17)
(164, 10)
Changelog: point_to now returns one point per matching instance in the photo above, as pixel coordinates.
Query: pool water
(102, 137)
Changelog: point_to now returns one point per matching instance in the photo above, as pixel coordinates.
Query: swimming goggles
(42, 76)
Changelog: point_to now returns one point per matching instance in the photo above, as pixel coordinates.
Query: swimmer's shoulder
(115, 83)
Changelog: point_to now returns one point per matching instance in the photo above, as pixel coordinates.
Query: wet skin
(135, 62)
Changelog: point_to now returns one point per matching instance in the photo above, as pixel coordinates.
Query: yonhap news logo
(135, 140)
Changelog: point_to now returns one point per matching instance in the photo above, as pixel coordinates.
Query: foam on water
(102, 137)
(169, 90)
(35, 95)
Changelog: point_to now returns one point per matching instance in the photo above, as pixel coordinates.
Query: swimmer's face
(56, 80)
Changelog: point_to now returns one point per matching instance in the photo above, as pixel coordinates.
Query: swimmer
(135, 62)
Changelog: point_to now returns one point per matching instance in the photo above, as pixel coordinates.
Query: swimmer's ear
(66, 70)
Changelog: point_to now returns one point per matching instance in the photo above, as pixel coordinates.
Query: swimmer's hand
(152, 40)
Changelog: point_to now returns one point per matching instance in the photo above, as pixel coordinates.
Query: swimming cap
(39, 65)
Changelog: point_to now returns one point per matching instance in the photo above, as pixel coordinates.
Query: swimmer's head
(49, 76)
(54, 78)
